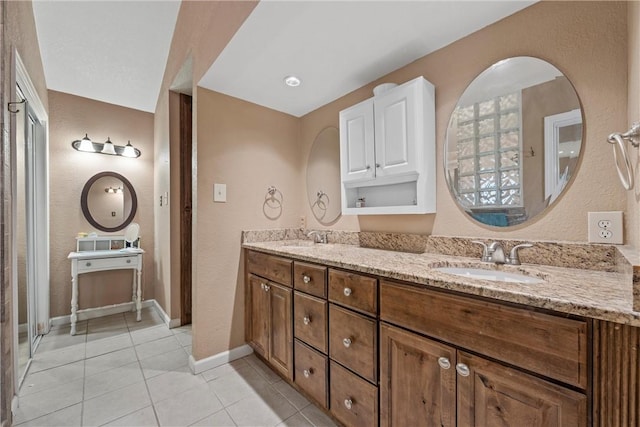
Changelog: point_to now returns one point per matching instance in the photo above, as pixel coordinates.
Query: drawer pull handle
(128, 261)
(463, 369)
(307, 372)
(306, 320)
(88, 264)
(347, 292)
(347, 342)
(267, 287)
(348, 403)
(306, 279)
(262, 285)
(444, 362)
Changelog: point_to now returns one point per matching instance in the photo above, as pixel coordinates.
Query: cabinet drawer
(106, 263)
(310, 320)
(353, 290)
(353, 341)
(549, 345)
(311, 372)
(310, 278)
(353, 401)
(269, 266)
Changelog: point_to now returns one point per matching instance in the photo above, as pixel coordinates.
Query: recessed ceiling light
(292, 81)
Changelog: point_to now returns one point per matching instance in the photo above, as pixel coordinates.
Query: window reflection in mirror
(502, 162)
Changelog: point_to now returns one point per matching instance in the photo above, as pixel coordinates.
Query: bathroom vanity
(377, 337)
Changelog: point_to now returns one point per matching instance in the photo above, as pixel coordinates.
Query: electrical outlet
(605, 227)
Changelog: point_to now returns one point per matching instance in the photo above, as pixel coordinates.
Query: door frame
(38, 193)
(186, 208)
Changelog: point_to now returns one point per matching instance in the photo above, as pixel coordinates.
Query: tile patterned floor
(119, 372)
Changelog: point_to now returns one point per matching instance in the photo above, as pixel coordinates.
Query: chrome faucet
(494, 252)
(318, 236)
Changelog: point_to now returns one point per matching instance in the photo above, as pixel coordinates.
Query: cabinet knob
(348, 403)
(88, 264)
(307, 372)
(262, 285)
(347, 342)
(368, 167)
(306, 320)
(444, 362)
(347, 292)
(267, 287)
(377, 165)
(463, 369)
(128, 261)
(306, 279)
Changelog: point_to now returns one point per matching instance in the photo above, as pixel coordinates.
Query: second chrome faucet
(494, 252)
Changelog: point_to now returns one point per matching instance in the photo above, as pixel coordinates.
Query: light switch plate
(220, 193)
(605, 227)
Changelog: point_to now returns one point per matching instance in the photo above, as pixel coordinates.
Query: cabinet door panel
(414, 389)
(259, 300)
(494, 395)
(357, 142)
(395, 130)
(281, 345)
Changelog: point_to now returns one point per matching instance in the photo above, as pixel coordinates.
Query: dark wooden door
(259, 309)
(280, 330)
(186, 206)
(492, 395)
(416, 388)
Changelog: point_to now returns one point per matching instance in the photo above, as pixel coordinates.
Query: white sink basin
(493, 275)
(298, 243)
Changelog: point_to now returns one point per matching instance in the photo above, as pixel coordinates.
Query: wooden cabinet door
(357, 161)
(259, 315)
(417, 380)
(492, 395)
(396, 130)
(280, 333)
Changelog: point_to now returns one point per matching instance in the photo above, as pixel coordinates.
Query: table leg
(74, 303)
(134, 292)
(139, 295)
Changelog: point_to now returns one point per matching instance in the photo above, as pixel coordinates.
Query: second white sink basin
(493, 275)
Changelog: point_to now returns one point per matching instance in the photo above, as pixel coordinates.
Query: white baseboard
(92, 313)
(198, 366)
(171, 323)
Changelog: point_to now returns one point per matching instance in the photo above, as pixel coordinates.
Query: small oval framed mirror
(109, 201)
(323, 176)
(514, 141)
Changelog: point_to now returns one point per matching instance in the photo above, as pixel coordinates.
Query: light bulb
(86, 144)
(108, 147)
(129, 151)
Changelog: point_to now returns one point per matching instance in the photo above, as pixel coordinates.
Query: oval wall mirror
(514, 141)
(108, 201)
(323, 176)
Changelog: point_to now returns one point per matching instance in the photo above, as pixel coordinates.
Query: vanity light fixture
(292, 81)
(111, 190)
(108, 147)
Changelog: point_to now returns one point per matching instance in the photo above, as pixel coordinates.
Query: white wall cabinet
(387, 152)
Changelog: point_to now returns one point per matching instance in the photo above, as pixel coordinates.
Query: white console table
(101, 260)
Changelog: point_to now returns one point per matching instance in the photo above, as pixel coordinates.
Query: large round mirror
(108, 201)
(323, 176)
(513, 142)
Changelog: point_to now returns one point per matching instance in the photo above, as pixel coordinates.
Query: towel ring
(626, 175)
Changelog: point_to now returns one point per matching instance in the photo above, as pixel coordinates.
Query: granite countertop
(597, 294)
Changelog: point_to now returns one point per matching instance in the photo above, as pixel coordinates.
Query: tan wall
(202, 30)
(71, 117)
(582, 39)
(632, 216)
(248, 148)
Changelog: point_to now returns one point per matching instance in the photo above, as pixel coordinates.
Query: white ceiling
(335, 47)
(116, 51)
(112, 51)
